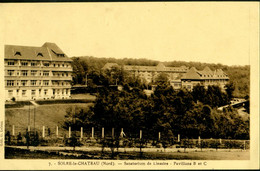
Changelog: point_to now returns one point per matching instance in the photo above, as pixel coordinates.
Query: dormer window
(60, 55)
(40, 54)
(18, 53)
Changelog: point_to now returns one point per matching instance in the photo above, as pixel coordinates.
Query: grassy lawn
(76, 98)
(83, 96)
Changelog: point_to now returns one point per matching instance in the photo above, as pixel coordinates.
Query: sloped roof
(192, 74)
(48, 52)
(159, 67)
(205, 74)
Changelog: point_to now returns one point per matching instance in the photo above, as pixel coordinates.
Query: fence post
(29, 128)
(57, 131)
(159, 136)
(92, 136)
(220, 141)
(199, 140)
(43, 131)
(69, 132)
(113, 132)
(13, 131)
(140, 134)
(244, 145)
(179, 137)
(81, 132)
(103, 132)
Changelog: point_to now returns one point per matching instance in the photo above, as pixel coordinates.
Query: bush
(42, 102)
(18, 104)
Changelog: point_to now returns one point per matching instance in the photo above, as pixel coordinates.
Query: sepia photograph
(129, 85)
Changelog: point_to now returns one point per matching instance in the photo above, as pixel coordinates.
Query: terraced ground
(48, 115)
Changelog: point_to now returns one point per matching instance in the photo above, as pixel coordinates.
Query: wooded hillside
(239, 75)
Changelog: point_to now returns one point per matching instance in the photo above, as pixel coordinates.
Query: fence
(57, 136)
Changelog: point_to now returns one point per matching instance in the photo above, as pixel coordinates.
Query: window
(45, 92)
(54, 65)
(33, 64)
(18, 53)
(17, 83)
(40, 92)
(62, 91)
(33, 92)
(46, 73)
(23, 92)
(10, 82)
(53, 92)
(33, 82)
(10, 93)
(10, 63)
(40, 82)
(24, 72)
(46, 64)
(58, 65)
(67, 74)
(24, 82)
(62, 65)
(62, 74)
(40, 54)
(33, 72)
(24, 63)
(10, 72)
(46, 82)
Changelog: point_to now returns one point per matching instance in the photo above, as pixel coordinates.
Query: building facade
(205, 78)
(150, 73)
(34, 73)
(179, 77)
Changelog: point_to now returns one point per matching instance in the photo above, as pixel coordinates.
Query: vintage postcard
(129, 85)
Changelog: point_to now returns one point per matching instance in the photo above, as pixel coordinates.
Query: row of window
(213, 75)
(33, 92)
(46, 64)
(34, 73)
(34, 83)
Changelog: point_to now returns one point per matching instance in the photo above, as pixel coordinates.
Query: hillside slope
(49, 116)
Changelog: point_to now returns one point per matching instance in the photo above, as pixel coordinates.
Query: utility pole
(34, 121)
(29, 117)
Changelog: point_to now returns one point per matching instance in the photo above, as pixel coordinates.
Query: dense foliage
(167, 111)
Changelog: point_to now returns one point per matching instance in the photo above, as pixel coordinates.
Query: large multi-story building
(149, 73)
(33, 73)
(205, 77)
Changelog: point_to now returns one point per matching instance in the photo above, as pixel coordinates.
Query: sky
(201, 32)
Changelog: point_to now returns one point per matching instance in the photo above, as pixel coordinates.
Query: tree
(199, 93)
(230, 87)
(77, 117)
